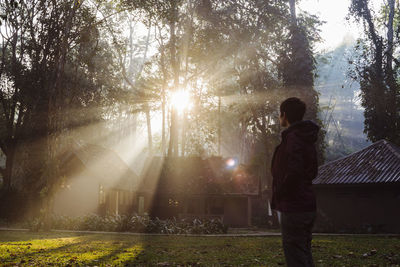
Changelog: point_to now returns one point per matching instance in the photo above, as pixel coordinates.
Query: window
(173, 202)
(102, 195)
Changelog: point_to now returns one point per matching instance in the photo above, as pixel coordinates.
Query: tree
(231, 40)
(297, 65)
(376, 68)
(75, 71)
(12, 80)
(60, 76)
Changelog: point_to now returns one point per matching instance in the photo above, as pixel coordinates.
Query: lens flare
(230, 162)
(180, 100)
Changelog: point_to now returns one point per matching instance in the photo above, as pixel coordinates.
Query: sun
(180, 100)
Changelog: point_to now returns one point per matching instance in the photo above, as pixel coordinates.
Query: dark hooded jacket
(294, 166)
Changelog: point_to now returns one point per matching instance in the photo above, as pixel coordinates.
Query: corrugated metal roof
(377, 163)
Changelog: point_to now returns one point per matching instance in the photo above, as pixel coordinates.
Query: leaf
(163, 264)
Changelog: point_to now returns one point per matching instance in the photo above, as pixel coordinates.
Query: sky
(336, 27)
(333, 12)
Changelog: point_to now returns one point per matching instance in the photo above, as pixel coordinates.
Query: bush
(137, 224)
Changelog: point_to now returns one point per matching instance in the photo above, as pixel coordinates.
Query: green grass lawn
(27, 248)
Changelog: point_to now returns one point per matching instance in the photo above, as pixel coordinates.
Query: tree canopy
(194, 77)
(377, 69)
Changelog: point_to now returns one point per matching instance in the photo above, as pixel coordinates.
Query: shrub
(137, 224)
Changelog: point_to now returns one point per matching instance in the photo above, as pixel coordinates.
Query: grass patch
(61, 249)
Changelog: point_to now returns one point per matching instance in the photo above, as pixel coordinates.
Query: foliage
(60, 249)
(297, 66)
(376, 68)
(229, 61)
(341, 103)
(57, 75)
(134, 223)
(69, 74)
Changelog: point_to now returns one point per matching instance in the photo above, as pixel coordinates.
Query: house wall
(79, 196)
(166, 207)
(262, 214)
(236, 212)
(358, 208)
(117, 201)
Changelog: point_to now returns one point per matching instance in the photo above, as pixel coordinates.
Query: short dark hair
(294, 109)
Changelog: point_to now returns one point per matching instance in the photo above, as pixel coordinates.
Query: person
(294, 166)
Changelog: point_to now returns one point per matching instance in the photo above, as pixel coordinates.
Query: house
(193, 187)
(360, 192)
(95, 180)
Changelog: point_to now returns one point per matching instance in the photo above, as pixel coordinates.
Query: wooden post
(116, 202)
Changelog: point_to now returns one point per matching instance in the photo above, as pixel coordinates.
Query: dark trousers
(296, 238)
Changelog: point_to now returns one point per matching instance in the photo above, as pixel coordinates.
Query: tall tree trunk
(219, 125)
(390, 76)
(53, 114)
(148, 121)
(145, 52)
(133, 116)
(163, 94)
(11, 147)
(292, 4)
(173, 143)
(186, 44)
(163, 114)
(183, 133)
(389, 51)
(12, 107)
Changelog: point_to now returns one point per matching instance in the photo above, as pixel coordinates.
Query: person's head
(292, 110)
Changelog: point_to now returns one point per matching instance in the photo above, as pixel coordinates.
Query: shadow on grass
(93, 249)
(121, 256)
(78, 250)
(27, 236)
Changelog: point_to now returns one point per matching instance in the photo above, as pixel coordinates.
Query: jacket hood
(306, 130)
